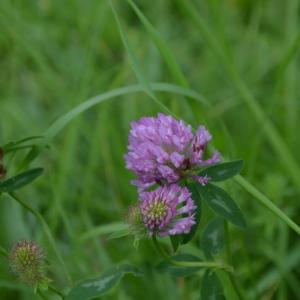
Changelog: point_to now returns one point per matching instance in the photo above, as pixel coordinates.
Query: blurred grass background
(56, 54)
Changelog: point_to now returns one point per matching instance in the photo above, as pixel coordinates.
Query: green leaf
(119, 234)
(212, 241)
(92, 288)
(16, 182)
(223, 171)
(7, 147)
(222, 204)
(167, 267)
(176, 240)
(193, 188)
(211, 287)
(104, 229)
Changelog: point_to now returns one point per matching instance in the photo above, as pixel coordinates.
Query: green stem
(3, 252)
(57, 292)
(227, 243)
(46, 230)
(267, 203)
(190, 264)
(42, 295)
(229, 261)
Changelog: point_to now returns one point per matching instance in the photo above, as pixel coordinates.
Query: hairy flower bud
(27, 261)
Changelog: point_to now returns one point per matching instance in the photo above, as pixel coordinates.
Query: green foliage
(223, 171)
(93, 288)
(230, 65)
(212, 240)
(176, 241)
(119, 234)
(222, 204)
(16, 182)
(178, 271)
(211, 288)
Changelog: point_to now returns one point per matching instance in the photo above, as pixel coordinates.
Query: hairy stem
(190, 264)
(46, 230)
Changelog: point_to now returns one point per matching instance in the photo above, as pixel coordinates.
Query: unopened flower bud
(27, 261)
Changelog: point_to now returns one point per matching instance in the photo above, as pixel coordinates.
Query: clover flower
(27, 261)
(168, 210)
(164, 150)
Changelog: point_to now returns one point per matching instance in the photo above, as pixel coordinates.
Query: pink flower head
(168, 210)
(164, 150)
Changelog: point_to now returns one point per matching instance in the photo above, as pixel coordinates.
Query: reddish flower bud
(2, 171)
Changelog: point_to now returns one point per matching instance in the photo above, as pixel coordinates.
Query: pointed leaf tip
(223, 171)
(20, 180)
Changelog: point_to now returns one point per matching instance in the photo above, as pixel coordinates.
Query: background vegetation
(240, 56)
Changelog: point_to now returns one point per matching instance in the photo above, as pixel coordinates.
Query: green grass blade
(132, 58)
(65, 119)
(167, 54)
(102, 230)
(279, 145)
(143, 80)
(264, 200)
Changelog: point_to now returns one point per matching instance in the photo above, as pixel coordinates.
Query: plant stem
(267, 203)
(3, 252)
(190, 264)
(46, 230)
(41, 295)
(229, 261)
(56, 291)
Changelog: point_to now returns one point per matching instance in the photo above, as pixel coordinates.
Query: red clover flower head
(163, 150)
(168, 210)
